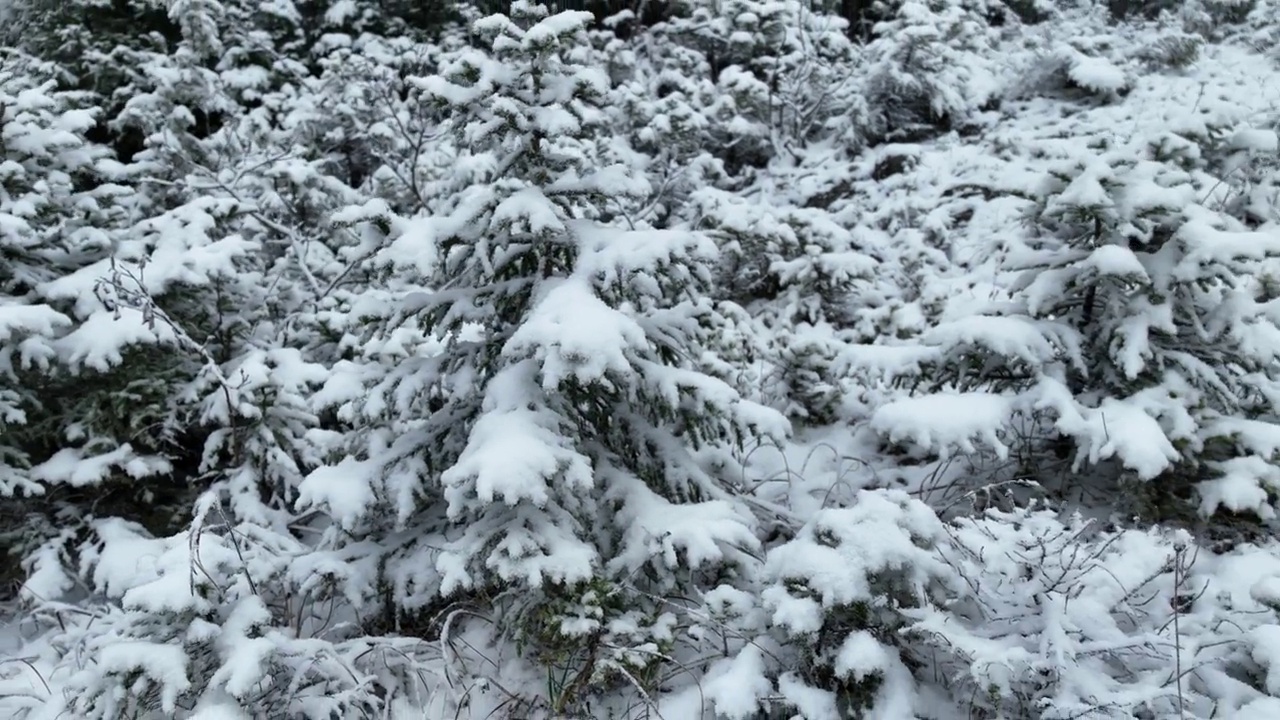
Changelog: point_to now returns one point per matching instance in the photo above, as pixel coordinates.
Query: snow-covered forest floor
(691, 360)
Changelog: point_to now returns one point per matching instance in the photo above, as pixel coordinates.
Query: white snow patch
(946, 421)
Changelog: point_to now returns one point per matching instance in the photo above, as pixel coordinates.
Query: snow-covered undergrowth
(727, 359)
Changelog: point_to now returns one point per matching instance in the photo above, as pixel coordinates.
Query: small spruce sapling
(551, 470)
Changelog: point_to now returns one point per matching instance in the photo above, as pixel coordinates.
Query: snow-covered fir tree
(542, 461)
(1133, 306)
(61, 213)
(928, 66)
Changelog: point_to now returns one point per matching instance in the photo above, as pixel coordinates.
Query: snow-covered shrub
(1062, 619)
(1246, 156)
(753, 80)
(1017, 613)
(89, 385)
(374, 126)
(1176, 327)
(1134, 324)
(800, 274)
(842, 591)
(100, 47)
(222, 618)
(1032, 12)
(1084, 67)
(1215, 18)
(1177, 50)
(186, 363)
(661, 109)
(930, 66)
(60, 212)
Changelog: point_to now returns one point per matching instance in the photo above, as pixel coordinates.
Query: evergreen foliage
(745, 359)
